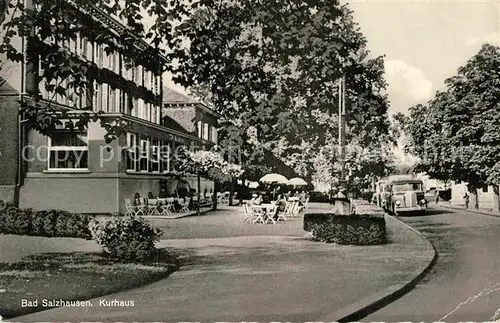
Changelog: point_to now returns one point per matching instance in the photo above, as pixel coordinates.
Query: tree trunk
(496, 198)
(214, 197)
(474, 201)
(231, 192)
(198, 192)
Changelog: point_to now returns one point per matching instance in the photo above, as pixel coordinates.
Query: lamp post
(342, 202)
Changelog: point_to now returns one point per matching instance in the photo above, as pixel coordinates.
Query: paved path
(464, 284)
(259, 277)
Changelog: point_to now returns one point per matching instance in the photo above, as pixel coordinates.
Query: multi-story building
(195, 118)
(76, 170)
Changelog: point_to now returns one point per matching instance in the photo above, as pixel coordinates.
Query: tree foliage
(271, 67)
(210, 165)
(456, 135)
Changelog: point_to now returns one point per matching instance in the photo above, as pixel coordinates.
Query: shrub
(51, 223)
(127, 238)
(17, 221)
(346, 229)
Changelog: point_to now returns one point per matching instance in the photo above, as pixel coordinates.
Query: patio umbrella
(274, 178)
(297, 181)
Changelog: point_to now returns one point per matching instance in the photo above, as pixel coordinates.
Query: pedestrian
(466, 200)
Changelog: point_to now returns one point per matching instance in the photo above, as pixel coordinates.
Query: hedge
(357, 229)
(50, 223)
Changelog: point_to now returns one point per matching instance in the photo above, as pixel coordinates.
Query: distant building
(188, 115)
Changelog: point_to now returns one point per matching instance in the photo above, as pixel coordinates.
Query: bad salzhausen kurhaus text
(65, 303)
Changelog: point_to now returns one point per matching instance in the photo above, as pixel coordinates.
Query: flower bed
(365, 227)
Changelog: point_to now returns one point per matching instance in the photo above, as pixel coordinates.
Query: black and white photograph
(250, 160)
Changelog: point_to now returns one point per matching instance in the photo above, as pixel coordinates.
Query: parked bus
(406, 196)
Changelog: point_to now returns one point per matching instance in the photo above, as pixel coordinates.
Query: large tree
(268, 66)
(273, 67)
(457, 134)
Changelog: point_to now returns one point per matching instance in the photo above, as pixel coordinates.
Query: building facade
(77, 170)
(195, 118)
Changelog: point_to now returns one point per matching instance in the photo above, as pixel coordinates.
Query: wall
(128, 186)
(485, 198)
(8, 144)
(80, 193)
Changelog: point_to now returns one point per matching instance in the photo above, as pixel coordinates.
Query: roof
(173, 97)
(6, 88)
(173, 124)
(184, 117)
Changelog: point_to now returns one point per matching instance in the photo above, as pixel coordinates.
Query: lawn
(73, 276)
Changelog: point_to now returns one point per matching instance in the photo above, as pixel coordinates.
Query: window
(105, 97)
(112, 100)
(406, 187)
(154, 165)
(135, 108)
(68, 150)
(147, 79)
(214, 134)
(83, 47)
(131, 151)
(205, 131)
(143, 160)
(72, 45)
(166, 154)
(143, 113)
(126, 104)
(100, 56)
(83, 99)
(97, 97)
(157, 114)
(115, 63)
(139, 75)
(200, 129)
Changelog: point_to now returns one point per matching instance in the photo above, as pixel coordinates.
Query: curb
(469, 210)
(374, 302)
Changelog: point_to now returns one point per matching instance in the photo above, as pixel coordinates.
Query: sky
(425, 42)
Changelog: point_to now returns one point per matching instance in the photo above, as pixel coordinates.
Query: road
(464, 284)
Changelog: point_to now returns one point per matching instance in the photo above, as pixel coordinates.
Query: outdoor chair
(293, 209)
(184, 205)
(153, 207)
(169, 206)
(248, 211)
(282, 215)
(258, 215)
(142, 208)
(297, 209)
(271, 213)
(130, 208)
